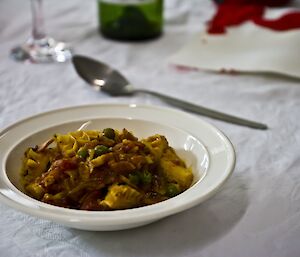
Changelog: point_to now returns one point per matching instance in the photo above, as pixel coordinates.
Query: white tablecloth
(257, 213)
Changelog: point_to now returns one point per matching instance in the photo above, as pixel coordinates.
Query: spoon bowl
(102, 77)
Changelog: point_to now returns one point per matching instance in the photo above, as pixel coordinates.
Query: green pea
(146, 177)
(82, 153)
(172, 190)
(109, 133)
(100, 149)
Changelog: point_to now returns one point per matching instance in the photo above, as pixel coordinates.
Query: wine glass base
(45, 50)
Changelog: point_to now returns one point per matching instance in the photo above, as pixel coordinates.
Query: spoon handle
(205, 111)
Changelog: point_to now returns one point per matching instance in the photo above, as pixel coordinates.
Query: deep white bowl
(202, 146)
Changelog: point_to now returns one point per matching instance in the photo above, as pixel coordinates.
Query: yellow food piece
(34, 164)
(156, 145)
(67, 144)
(174, 169)
(35, 190)
(100, 160)
(83, 137)
(121, 197)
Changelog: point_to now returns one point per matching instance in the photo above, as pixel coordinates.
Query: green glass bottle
(131, 19)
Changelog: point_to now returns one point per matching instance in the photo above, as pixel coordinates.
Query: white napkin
(246, 48)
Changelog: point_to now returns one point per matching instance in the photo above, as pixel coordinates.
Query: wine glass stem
(38, 29)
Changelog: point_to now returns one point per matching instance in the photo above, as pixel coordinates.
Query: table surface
(256, 213)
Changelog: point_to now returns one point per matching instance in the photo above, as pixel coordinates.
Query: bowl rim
(183, 201)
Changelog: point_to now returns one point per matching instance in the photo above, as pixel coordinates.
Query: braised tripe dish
(103, 170)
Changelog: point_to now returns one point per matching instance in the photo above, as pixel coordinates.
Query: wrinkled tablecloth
(257, 213)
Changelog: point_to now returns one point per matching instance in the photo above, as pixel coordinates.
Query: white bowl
(202, 146)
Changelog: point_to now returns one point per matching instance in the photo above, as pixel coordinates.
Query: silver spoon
(104, 78)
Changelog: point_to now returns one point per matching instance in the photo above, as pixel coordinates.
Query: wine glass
(40, 48)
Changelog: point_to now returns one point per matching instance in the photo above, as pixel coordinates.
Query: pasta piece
(67, 144)
(102, 159)
(35, 190)
(156, 145)
(174, 169)
(121, 197)
(84, 137)
(34, 164)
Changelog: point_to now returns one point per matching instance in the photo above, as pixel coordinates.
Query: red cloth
(234, 12)
(259, 2)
